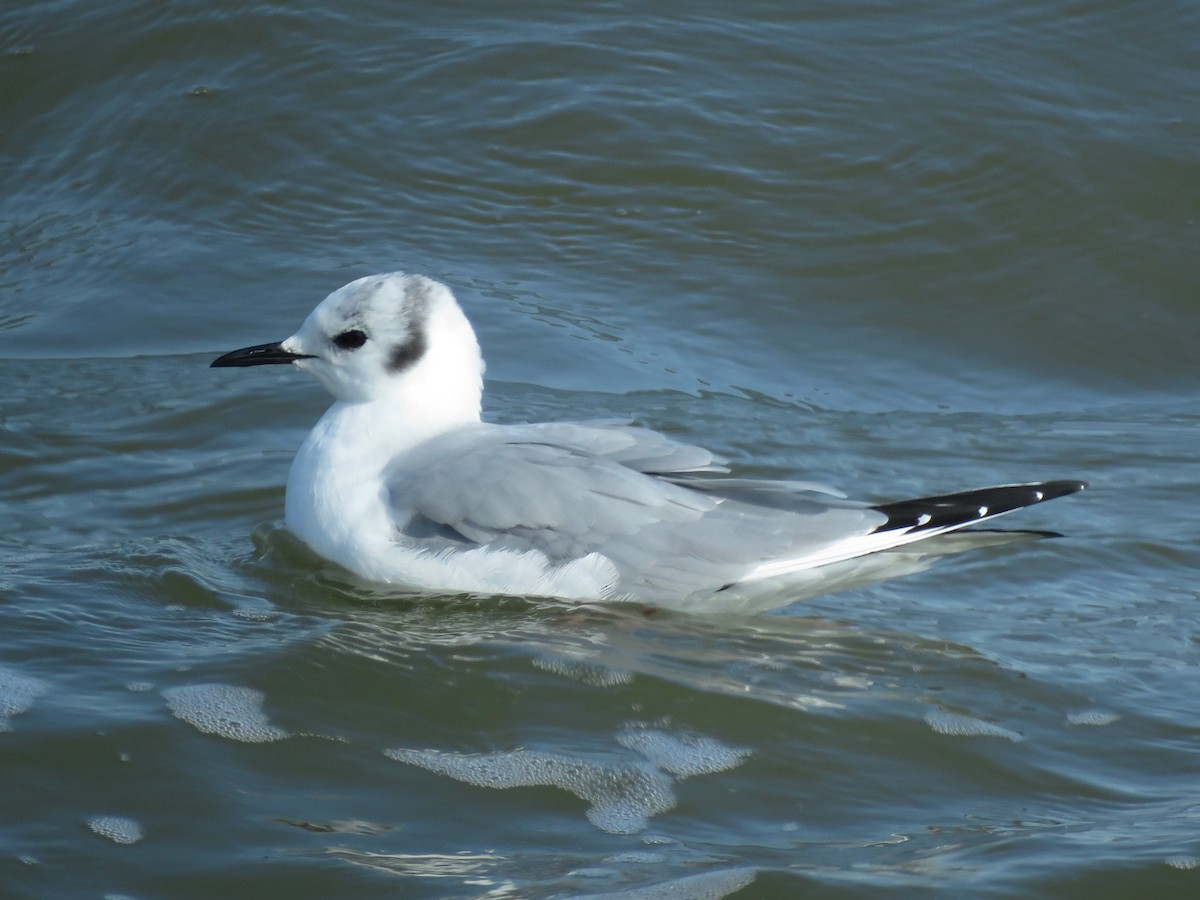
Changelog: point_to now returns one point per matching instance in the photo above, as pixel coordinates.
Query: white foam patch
(256, 613)
(224, 709)
(622, 797)
(966, 726)
(1183, 862)
(17, 694)
(1095, 717)
(642, 857)
(658, 839)
(681, 755)
(588, 673)
(118, 829)
(706, 886)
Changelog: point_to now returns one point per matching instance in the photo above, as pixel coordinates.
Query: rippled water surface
(891, 246)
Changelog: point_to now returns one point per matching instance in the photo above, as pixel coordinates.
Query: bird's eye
(350, 340)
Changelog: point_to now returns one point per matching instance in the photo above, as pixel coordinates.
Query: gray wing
(638, 448)
(568, 490)
(684, 464)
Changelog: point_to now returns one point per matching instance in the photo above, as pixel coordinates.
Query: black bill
(259, 355)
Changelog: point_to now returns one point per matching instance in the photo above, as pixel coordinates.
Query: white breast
(337, 503)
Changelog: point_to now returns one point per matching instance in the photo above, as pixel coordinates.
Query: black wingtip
(965, 507)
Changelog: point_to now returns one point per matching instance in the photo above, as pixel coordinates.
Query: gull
(402, 483)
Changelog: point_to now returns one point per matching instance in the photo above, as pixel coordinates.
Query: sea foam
(224, 709)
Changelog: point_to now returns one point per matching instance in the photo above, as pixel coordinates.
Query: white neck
(336, 500)
(443, 390)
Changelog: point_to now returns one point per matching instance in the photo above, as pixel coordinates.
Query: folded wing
(656, 508)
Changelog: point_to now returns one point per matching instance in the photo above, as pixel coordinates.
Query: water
(875, 244)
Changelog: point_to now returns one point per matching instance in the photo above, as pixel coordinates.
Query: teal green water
(895, 247)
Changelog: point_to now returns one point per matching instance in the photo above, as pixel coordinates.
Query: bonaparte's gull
(402, 483)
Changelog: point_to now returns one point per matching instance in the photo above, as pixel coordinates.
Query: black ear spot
(405, 355)
(350, 340)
